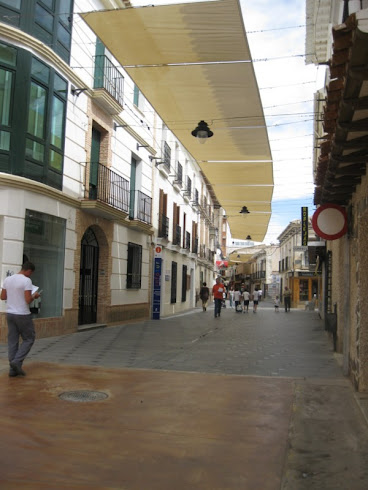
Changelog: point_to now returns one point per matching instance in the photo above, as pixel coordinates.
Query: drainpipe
(346, 315)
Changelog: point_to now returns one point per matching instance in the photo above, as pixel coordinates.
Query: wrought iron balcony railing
(187, 240)
(163, 226)
(166, 154)
(177, 235)
(108, 77)
(110, 188)
(195, 246)
(140, 207)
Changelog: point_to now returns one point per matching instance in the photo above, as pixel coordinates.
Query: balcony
(187, 240)
(108, 193)
(108, 85)
(140, 207)
(195, 245)
(178, 180)
(177, 235)
(163, 226)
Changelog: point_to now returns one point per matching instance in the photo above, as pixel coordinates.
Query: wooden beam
(356, 157)
(357, 103)
(350, 170)
(356, 143)
(361, 125)
(359, 73)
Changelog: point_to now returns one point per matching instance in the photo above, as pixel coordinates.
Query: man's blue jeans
(218, 303)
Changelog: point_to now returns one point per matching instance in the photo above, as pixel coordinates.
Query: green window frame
(33, 98)
(46, 118)
(8, 59)
(50, 21)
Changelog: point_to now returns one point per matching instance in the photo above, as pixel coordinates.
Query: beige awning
(192, 62)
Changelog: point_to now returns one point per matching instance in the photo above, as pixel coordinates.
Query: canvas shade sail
(192, 62)
(236, 258)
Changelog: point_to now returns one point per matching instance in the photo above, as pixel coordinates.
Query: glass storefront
(44, 245)
(303, 290)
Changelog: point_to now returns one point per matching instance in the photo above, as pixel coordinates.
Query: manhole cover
(83, 396)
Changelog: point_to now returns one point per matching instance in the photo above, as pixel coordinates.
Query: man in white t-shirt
(17, 291)
(256, 296)
(246, 297)
(237, 300)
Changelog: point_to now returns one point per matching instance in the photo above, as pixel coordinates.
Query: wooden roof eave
(336, 181)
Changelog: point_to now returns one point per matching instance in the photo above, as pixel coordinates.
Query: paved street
(245, 401)
(264, 344)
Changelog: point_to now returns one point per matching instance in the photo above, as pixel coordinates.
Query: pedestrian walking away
(276, 304)
(217, 291)
(237, 300)
(231, 296)
(204, 294)
(17, 292)
(256, 295)
(246, 298)
(287, 299)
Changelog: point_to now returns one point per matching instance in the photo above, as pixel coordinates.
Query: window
(166, 155)
(45, 128)
(37, 111)
(138, 98)
(50, 21)
(8, 57)
(189, 186)
(12, 3)
(44, 245)
(184, 284)
(32, 117)
(174, 272)
(179, 174)
(303, 289)
(134, 268)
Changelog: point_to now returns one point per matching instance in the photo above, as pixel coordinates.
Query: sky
(276, 36)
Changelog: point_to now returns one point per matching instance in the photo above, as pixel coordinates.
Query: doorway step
(91, 326)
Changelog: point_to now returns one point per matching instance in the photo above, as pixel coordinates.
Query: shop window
(44, 245)
(303, 290)
(134, 268)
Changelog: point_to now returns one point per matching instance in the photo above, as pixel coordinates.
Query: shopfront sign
(304, 222)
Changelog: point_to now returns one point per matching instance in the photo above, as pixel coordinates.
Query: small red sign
(330, 221)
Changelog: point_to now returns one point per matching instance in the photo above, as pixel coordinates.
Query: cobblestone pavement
(266, 344)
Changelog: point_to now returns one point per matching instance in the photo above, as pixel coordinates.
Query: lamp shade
(202, 132)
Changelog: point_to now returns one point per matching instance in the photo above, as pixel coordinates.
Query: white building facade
(80, 186)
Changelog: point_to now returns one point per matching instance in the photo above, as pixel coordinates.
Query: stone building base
(52, 327)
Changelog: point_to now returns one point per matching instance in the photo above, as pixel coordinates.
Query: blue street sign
(156, 303)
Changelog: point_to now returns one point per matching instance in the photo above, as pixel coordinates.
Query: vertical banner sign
(304, 226)
(157, 271)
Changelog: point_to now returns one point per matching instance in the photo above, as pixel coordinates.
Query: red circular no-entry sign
(330, 221)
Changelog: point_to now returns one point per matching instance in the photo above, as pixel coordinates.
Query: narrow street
(245, 401)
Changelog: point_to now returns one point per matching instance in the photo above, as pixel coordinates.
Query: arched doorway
(88, 281)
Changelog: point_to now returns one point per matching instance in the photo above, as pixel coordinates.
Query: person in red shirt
(217, 291)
